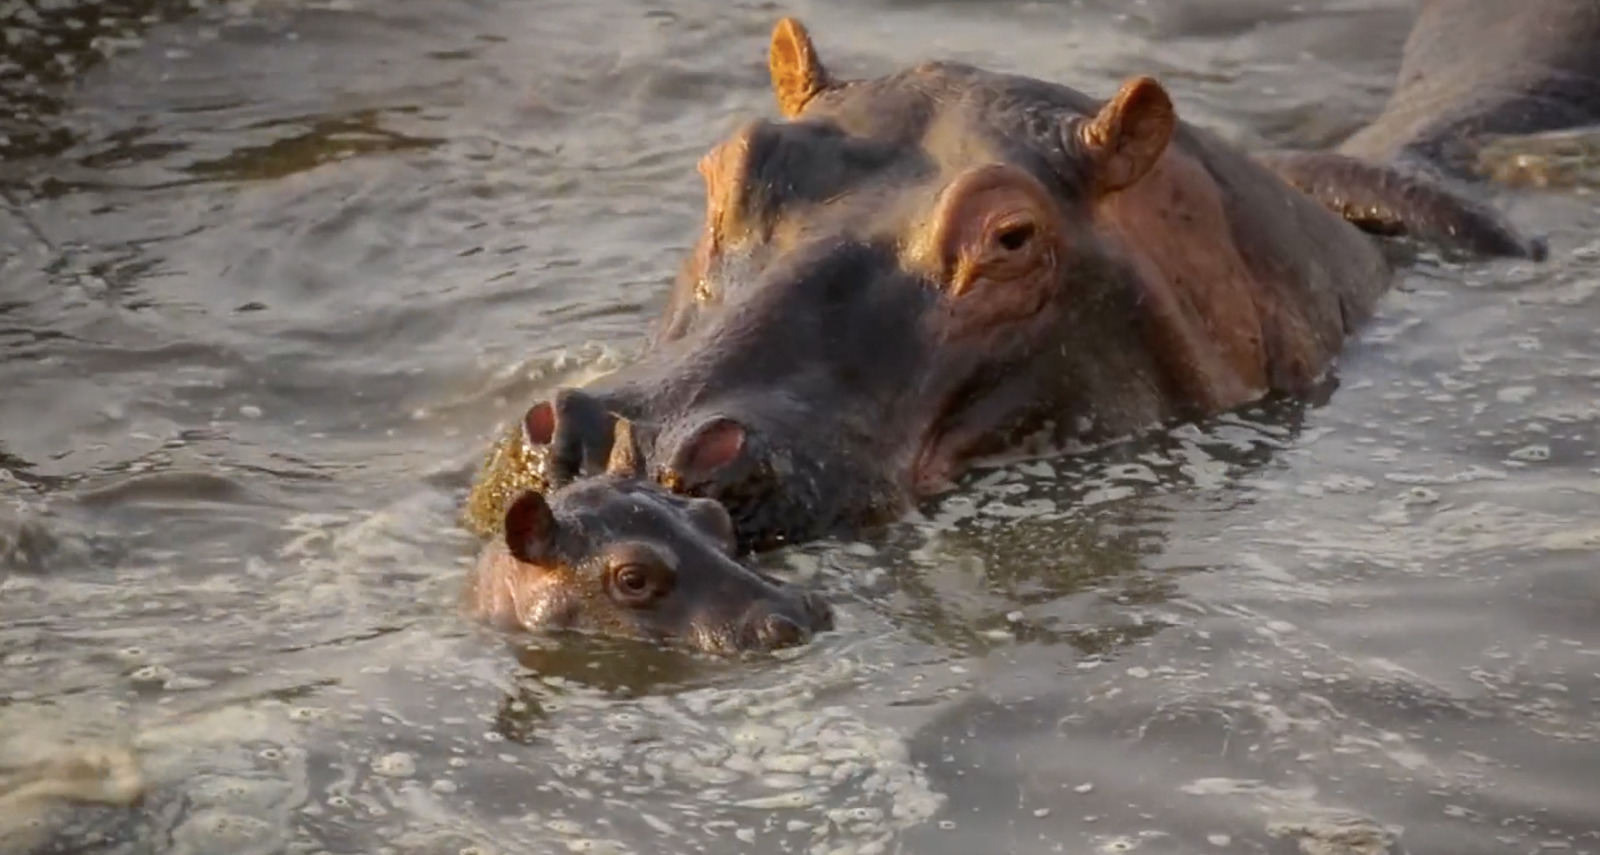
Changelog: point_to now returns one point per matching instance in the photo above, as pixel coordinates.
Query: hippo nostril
(819, 612)
(778, 631)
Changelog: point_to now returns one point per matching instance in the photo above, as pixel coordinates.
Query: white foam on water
(1295, 813)
(768, 760)
(228, 779)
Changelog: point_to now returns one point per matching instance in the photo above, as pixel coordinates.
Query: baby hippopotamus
(616, 554)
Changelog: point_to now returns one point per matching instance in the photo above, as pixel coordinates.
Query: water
(272, 273)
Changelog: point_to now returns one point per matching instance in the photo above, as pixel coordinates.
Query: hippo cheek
(997, 245)
(944, 455)
(961, 433)
(932, 471)
(512, 594)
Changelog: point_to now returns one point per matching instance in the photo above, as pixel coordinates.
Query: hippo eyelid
(639, 552)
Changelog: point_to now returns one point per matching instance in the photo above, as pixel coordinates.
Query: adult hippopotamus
(915, 272)
(946, 264)
(1472, 71)
(620, 555)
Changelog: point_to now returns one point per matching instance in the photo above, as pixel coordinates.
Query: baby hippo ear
(1129, 134)
(712, 519)
(530, 529)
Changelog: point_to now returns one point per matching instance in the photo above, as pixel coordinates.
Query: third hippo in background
(1473, 71)
(1476, 69)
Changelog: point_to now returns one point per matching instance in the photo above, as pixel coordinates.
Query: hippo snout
(819, 612)
(770, 627)
(778, 632)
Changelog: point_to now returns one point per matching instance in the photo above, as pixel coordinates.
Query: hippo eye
(1015, 237)
(633, 580)
(639, 584)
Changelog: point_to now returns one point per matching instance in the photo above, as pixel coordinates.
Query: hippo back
(1474, 68)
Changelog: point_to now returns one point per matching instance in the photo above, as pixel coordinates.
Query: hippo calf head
(620, 556)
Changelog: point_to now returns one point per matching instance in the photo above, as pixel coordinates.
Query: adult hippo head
(911, 273)
(621, 556)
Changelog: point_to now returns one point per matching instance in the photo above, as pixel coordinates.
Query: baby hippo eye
(633, 580)
(640, 584)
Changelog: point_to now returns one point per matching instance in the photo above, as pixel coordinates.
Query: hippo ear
(711, 448)
(627, 460)
(1129, 134)
(539, 423)
(530, 528)
(797, 74)
(712, 518)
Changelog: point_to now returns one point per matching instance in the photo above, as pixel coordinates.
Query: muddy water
(272, 272)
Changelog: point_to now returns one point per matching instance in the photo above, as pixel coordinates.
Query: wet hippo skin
(1479, 68)
(945, 264)
(1472, 71)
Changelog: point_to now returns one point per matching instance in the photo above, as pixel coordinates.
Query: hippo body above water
(944, 265)
(1476, 69)
(1473, 71)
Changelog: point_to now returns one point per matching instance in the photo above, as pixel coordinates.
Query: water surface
(272, 273)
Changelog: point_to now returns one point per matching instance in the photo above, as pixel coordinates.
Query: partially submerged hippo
(621, 556)
(1473, 71)
(1477, 69)
(923, 270)
(947, 264)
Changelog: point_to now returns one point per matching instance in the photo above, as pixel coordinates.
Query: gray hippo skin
(1473, 70)
(942, 265)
